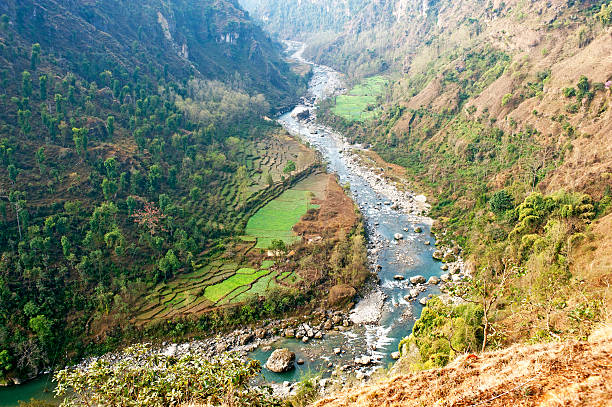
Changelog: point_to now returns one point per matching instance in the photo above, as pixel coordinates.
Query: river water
(383, 317)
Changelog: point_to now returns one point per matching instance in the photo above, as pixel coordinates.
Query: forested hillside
(507, 128)
(127, 134)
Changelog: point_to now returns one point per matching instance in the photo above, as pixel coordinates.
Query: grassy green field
(275, 221)
(357, 104)
(215, 292)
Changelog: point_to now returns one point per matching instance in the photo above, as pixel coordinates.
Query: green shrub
(141, 378)
(501, 201)
(569, 92)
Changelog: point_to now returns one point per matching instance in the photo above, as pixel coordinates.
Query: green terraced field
(275, 221)
(215, 292)
(354, 105)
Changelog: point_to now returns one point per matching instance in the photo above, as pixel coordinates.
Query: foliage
(142, 378)
(443, 332)
(501, 201)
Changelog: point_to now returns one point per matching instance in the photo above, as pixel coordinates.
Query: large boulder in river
(281, 360)
(398, 236)
(417, 279)
(302, 114)
(341, 294)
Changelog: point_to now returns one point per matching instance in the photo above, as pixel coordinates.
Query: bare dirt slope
(549, 374)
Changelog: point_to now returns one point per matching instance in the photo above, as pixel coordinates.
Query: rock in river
(433, 280)
(363, 361)
(438, 255)
(398, 236)
(417, 279)
(281, 360)
(398, 277)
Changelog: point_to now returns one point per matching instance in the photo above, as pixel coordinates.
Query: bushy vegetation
(142, 378)
(442, 333)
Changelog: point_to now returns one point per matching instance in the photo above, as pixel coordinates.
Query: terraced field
(275, 221)
(219, 283)
(357, 105)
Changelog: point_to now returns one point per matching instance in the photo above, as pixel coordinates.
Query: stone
(398, 277)
(281, 360)
(456, 278)
(337, 351)
(414, 293)
(246, 338)
(408, 297)
(300, 362)
(449, 258)
(418, 279)
(445, 277)
(318, 335)
(363, 361)
(221, 347)
(427, 243)
(423, 301)
(433, 280)
(398, 236)
(305, 339)
(395, 355)
(444, 267)
(418, 229)
(337, 319)
(290, 333)
(341, 294)
(328, 325)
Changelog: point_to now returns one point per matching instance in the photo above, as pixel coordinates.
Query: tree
(501, 201)
(26, 84)
(155, 175)
(290, 167)
(150, 218)
(43, 80)
(110, 125)
(5, 362)
(41, 325)
(13, 172)
(109, 188)
(111, 167)
(65, 246)
(40, 159)
(23, 119)
(79, 136)
(35, 56)
(169, 264)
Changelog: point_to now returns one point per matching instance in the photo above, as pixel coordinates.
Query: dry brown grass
(549, 374)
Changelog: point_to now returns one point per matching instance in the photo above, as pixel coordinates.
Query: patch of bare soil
(550, 374)
(335, 216)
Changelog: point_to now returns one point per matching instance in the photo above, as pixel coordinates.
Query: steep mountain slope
(212, 39)
(551, 374)
(128, 136)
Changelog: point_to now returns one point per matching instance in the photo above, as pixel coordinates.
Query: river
(383, 317)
